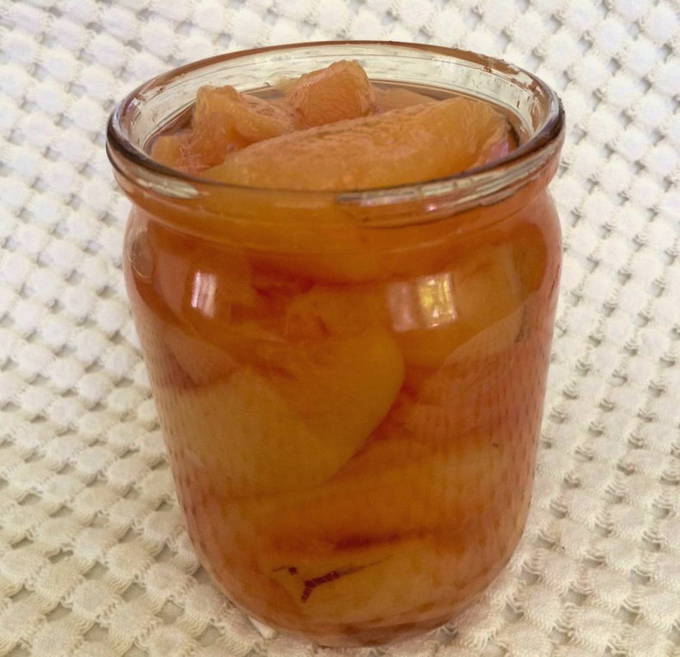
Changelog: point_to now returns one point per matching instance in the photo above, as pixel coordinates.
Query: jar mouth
(534, 105)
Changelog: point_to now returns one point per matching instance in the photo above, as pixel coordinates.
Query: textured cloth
(94, 560)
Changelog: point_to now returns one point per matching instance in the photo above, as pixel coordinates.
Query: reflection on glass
(426, 302)
(435, 296)
(203, 288)
(141, 258)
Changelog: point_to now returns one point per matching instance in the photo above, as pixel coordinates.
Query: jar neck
(189, 200)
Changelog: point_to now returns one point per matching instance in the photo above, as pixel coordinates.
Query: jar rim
(489, 180)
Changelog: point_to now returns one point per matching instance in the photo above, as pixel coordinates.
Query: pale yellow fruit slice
(366, 585)
(291, 420)
(395, 488)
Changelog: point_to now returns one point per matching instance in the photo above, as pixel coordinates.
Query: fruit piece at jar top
(333, 129)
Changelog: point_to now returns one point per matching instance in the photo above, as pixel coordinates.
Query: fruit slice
(497, 145)
(494, 339)
(166, 375)
(247, 439)
(340, 91)
(488, 289)
(349, 382)
(173, 150)
(437, 315)
(223, 120)
(364, 585)
(394, 488)
(292, 418)
(336, 310)
(498, 395)
(202, 362)
(403, 146)
(398, 98)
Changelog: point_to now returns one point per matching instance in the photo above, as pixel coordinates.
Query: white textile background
(94, 561)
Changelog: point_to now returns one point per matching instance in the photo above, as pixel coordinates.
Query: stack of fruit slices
(329, 419)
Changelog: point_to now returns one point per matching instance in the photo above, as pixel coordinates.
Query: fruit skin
(417, 143)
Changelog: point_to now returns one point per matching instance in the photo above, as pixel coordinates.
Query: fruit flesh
(398, 136)
(223, 121)
(338, 92)
(277, 431)
(353, 452)
(409, 145)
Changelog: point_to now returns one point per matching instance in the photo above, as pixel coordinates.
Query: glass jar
(350, 384)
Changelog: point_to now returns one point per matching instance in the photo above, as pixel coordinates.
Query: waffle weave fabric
(94, 560)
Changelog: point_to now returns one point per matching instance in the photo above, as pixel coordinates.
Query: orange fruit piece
(171, 149)
(391, 489)
(290, 420)
(410, 145)
(224, 120)
(340, 91)
(336, 310)
(250, 118)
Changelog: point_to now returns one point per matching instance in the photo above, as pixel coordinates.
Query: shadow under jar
(350, 384)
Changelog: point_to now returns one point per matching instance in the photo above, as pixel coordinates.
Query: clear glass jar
(350, 384)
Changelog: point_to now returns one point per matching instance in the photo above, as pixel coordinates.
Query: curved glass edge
(520, 164)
